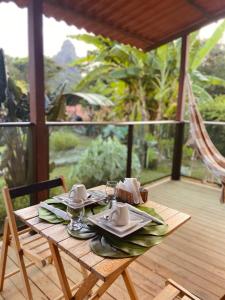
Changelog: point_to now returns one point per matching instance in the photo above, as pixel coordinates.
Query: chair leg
(4, 252)
(16, 243)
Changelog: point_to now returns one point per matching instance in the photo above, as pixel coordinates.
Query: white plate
(137, 221)
(94, 197)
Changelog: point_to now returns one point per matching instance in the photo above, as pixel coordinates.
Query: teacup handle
(113, 213)
(70, 193)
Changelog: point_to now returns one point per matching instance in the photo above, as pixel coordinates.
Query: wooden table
(101, 268)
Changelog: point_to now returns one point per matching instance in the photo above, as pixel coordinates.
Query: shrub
(63, 140)
(104, 160)
(152, 158)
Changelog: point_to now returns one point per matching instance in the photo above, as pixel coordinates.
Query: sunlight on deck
(194, 255)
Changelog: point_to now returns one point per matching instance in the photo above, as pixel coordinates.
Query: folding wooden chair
(28, 244)
(174, 291)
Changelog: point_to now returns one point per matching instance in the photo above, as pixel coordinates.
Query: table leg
(104, 287)
(86, 287)
(60, 271)
(129, 285)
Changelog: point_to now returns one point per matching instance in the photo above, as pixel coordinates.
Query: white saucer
(123, 228)
(138, 219)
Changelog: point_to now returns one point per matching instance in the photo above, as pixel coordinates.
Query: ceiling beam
(199, 8)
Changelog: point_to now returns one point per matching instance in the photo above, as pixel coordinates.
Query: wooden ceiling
(145, 24)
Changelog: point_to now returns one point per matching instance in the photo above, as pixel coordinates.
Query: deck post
(179, 134)
(37, 94)
(129, 150)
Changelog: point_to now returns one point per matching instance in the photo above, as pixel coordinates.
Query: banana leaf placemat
(108, 245)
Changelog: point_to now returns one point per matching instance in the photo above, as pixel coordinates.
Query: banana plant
(198, 52)
(142, 85)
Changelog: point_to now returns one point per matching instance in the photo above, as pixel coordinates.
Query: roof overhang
(145, 24)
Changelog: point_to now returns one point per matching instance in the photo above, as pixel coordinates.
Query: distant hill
(64, 58)
(66, 55)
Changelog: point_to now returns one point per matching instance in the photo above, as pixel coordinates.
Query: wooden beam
(183, 71)
(37, 99)
(129, 150)
(198, 7)
(179, 134)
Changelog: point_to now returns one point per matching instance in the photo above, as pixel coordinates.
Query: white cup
(78, 193)
(120, 215)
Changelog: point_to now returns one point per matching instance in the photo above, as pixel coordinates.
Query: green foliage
(63, 140)
(142, 85)
(207, 47)
(213, 110)
(119, 132)
(18, 68)
(152, 158)
(134, 80)
(104, 160)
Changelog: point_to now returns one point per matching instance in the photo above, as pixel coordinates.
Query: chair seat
(35, 248)
(174, 291)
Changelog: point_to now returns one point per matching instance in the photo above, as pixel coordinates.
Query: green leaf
(214, 80)
(97, 41)
(147, 241)
(201, 93)
(92, 76)
(48, 216)
(100, 246)
(95, 99)
(153, 229)
(208, 46)
(150, 211)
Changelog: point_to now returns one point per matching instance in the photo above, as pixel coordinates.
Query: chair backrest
(36, 187)
(10, 193)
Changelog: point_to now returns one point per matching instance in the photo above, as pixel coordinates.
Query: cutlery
(142, 213)
(58, 212)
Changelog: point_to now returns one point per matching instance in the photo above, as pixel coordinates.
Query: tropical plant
(213, 110)
(136, 81)
(142, 85)
(198, 53)
(104, 160)
(120, 132)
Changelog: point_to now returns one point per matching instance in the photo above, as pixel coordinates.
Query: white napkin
(131, 185)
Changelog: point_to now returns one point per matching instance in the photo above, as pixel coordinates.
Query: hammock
(211, 157)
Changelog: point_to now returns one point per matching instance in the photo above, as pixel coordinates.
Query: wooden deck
(194, 255)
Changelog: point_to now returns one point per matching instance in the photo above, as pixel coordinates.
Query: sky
(13, 34)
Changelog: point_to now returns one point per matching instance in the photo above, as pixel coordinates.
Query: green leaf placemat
(106, 244)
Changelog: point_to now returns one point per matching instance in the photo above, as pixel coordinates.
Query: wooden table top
(80, 249)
